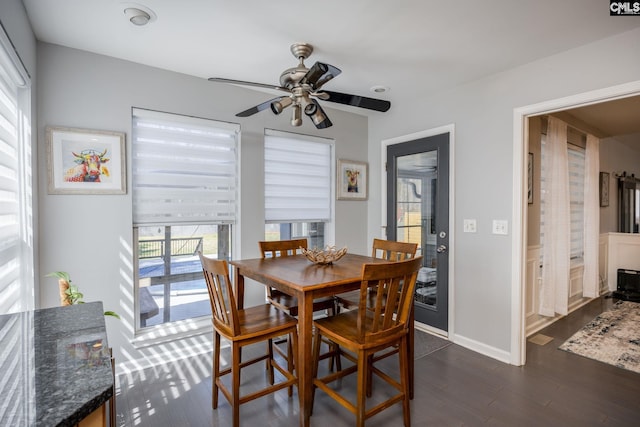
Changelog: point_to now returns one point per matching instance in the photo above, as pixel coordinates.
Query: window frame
(184, 327)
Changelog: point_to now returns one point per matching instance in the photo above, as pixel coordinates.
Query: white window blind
(185, 169)
(297, 178)
(576, 199)
(16, 221)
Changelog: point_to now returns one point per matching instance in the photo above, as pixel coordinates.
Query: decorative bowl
(324, 257)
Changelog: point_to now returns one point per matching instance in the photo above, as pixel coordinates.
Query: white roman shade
(16, 219)
(185, 169)
(297, 178)
(576, 157)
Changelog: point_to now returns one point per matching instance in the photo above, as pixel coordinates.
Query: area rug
(612, 337)
(425, 344)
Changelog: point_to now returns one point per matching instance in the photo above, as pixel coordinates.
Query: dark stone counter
(55, 365)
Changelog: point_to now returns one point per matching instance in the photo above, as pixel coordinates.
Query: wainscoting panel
(603, 262)
(623, 251)
(533, 321)
(532, 281)
(575, 283)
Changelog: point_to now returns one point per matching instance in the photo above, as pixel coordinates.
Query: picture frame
(604, 189)
(352, 179)
(85, 161)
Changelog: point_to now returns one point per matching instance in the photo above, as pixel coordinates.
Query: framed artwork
(604, 189)
(352, 180)
(84, 161)
(530, 179)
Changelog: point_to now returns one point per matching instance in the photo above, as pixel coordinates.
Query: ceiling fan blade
(357, 101)
(253, 110)
(317, 115)
(319, 74)
(243, 83)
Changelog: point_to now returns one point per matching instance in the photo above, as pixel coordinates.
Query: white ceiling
(413, 47)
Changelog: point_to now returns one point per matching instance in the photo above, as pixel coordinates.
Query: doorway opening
(580, 105)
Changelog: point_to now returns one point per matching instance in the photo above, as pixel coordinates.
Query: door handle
(441, 249)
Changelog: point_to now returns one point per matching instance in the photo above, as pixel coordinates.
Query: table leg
(238, 285)
(305, 357)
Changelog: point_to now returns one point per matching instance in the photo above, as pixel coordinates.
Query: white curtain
(554, 291)
(590, 288)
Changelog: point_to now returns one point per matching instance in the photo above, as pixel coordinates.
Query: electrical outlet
(470, 226)
(500, 226)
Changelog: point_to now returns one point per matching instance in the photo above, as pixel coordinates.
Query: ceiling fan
(303, 87)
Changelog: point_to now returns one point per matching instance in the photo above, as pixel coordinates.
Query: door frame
(519, 209)
(450, 129)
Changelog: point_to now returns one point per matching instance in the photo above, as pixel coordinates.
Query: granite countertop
(55, 365)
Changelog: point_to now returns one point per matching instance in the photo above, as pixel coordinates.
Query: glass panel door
(417, 212)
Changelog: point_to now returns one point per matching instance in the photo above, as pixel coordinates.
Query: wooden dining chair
(383, 249)
(288, 303)
(368, 330)
(241, 328)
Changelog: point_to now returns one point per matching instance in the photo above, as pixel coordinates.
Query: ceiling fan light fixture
(296, 118)
(317, 116)
(303, 86)
(310, 109)
(278, 106)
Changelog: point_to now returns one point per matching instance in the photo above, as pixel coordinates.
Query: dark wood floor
(454, 387)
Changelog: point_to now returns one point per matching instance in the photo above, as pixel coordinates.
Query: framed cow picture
(84, 161)
(352, 180)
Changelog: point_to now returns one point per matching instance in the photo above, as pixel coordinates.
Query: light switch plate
(470, 226)
(500, 226)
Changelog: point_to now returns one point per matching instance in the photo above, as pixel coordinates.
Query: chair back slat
(394, 284)
(393, 251)
(282, 248)
(223, 303)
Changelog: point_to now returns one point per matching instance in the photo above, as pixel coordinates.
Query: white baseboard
(478, 347)
(431, 330)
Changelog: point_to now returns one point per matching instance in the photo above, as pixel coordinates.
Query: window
(298, 187)
(184, 201)
(576, 167)
(576, 198)
(16, 217)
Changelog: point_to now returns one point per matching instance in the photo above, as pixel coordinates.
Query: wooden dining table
(297, 276)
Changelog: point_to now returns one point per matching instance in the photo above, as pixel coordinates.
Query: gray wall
(90, 236)
(616, 157)
(482, 112)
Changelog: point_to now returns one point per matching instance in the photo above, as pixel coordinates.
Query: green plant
(70, 294)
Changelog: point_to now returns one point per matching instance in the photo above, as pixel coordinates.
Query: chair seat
(289, 303)
(260, 321)
(351, 299)
(342, 329)
(348, 299)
